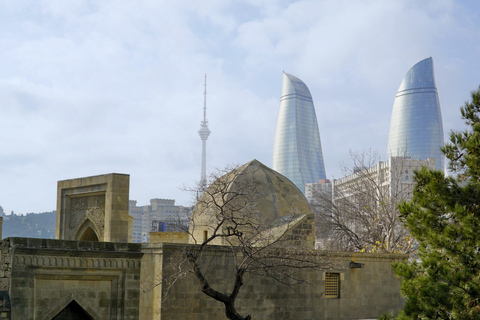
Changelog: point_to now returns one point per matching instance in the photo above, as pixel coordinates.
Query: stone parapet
(170, 237)
(83, 247)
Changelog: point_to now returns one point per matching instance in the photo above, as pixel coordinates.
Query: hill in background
(31, 225)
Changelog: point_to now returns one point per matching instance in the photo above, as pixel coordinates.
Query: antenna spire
(205, 100)
(204, 132)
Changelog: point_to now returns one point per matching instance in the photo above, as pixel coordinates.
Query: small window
(205, 235)
(332, 285)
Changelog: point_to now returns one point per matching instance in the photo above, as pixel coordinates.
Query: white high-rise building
(363, 210)
(394, 177)
(315, 189)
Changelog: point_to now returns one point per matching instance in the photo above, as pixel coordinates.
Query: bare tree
(233, 212)
(362, 213)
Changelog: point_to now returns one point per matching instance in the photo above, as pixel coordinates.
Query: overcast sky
(95, 87)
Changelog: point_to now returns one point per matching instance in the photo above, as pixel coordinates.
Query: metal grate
(332, 281)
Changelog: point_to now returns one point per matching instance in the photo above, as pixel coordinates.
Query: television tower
(204, 132)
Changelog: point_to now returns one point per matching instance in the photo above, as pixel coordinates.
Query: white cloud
(117, 86)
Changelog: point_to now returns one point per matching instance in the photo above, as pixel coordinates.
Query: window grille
(332, 285)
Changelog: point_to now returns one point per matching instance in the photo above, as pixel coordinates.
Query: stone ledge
(66, 245)
(354, 256)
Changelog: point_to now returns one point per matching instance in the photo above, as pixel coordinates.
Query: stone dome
(252, 191)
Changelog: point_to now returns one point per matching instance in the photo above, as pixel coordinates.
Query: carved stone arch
(87, 232)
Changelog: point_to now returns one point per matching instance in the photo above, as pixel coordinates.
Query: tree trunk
(228, 301)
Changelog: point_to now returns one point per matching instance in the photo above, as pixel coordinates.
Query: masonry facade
(367, 288)
(46, 279)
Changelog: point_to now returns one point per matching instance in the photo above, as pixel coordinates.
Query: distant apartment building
(393, 178)
(319, 197)
(314, 192)
(161, 214)
(140, 218)
(364, 204)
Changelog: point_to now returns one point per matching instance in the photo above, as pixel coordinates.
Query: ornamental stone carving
(91, 208)
(76, 262)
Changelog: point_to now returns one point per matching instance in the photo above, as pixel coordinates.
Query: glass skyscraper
(297, 150)
(416, 127)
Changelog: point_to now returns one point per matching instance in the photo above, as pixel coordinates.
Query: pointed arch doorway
(87, 232)
(88, 235)
(73, 311)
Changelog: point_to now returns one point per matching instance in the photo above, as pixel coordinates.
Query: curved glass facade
(297, 150)
(416, 127)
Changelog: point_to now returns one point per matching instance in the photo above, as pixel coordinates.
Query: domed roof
(252, 192)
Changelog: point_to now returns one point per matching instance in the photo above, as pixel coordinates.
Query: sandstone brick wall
(365, 293)
(5, 265)
(302, 235)
(46, 275)
(5, 279)
(151, 282)
(170, 237)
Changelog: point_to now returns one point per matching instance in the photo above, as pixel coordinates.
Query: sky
(95, 87)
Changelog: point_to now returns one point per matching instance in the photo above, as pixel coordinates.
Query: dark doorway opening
(73, 311)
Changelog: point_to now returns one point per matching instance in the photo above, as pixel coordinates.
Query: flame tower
(297, 150)
(204, 132)
(416, 127)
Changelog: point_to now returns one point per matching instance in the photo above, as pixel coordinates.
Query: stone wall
(151, 282)
(301, 234)
(170, 237)
(5, 279)
(366, 291)
(44, 276)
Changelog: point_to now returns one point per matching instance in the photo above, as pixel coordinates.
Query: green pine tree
(444, 216)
